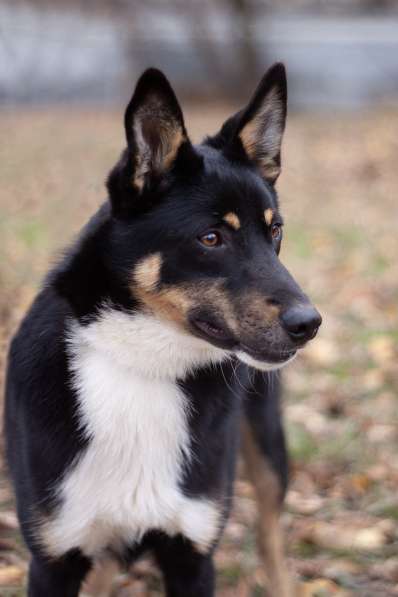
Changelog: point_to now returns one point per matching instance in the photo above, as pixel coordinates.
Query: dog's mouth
(266, 360)
(211, 331)
(277, 357)
(216, 334)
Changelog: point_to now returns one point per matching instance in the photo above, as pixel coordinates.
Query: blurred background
(340, 53)
(67, 70)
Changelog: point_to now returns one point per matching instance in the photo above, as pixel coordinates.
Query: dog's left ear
(154, 127)
(255, 133)
(157, 146)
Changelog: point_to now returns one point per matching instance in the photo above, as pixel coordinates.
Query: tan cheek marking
(171, 303)
(175, 302)
(268, 215)
(146, 273)
(232, 219)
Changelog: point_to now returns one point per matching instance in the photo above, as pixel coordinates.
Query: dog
(152, 347)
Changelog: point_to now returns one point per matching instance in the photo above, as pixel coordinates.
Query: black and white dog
(130, 376)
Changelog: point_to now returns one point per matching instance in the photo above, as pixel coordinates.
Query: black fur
(170, 208)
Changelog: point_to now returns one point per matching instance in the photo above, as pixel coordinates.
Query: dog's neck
(145, 345)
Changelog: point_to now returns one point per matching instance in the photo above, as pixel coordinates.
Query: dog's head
(198, 228)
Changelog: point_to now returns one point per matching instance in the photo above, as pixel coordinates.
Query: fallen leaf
(321, 587)
(382, 349)
(332, 536)
(361, 482)
(339, 569)
(11, 576)
(322, 352)
(304, 504)
(387, 570)
(8, 520)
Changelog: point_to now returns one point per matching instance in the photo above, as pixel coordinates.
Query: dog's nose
(301, 322)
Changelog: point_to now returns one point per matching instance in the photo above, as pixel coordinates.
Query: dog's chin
(264, 365)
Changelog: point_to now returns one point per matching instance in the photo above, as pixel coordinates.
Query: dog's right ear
(254, 134)
(155, 134)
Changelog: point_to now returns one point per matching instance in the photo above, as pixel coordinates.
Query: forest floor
(339, 196)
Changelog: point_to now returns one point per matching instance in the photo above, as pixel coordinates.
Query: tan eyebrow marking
(232, 219)
(268, 215)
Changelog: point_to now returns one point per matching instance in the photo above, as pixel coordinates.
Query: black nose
(301, 322)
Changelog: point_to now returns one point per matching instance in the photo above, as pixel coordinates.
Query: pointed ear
(154, 127)
(263, 123)
(255, 133)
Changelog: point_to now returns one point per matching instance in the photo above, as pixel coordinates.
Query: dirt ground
(339, 192)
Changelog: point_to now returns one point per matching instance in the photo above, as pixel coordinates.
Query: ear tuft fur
(263, 123)
(158, 148)
(255, 133)
(154, 127)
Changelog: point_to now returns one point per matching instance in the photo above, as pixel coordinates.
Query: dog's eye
(211, 239)
(276, 232)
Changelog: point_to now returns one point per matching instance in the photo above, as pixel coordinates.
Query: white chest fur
(128, 479)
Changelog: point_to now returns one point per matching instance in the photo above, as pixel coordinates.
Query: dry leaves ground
(339, 193)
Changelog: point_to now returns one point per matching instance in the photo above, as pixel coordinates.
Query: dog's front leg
(265, 458)
(270, 536)
(186, 572)
(57, 578)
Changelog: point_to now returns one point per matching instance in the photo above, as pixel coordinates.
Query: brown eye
(276, 232)
(211, 239)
